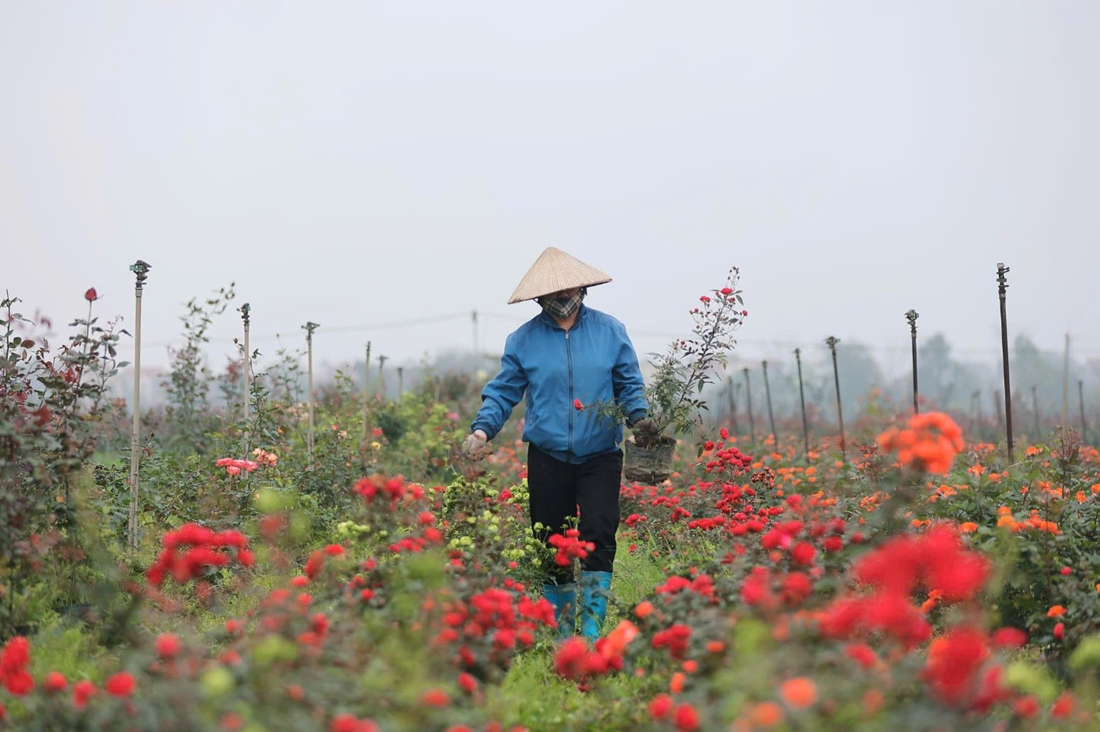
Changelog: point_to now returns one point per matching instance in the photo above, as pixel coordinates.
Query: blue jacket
(593, 362)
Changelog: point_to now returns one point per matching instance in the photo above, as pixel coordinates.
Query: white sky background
(369, 163)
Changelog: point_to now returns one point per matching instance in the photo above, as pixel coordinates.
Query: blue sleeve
(502, 393)
(628, 382)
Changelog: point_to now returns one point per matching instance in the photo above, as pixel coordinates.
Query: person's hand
(474, 446)
(645, 432)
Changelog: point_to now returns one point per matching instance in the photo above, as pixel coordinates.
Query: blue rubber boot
(564, 600)
(595, 587)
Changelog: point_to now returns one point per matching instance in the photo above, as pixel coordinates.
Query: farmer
(566, 358)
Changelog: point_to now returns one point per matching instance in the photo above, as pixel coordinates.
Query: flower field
(368, 578)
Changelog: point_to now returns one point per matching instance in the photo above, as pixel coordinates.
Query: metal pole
(366, 396)
(748, 399)
(1081, 401)
(400, 381)
(1002, 285)
(141, 272)
(912, 316)
(831, 342)
(1065, 385)
(978, 405)
(382, 376)
(771, 417)
(310, 327)
(245, 310)
(733, 405)
(477, 339)
(802, 401)
(1035, 409)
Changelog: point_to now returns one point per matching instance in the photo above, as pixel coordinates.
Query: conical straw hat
(555, 270)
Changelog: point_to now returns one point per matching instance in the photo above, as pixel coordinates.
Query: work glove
(645, 432)
(474, 448)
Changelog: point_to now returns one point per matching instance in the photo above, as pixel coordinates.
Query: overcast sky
(361, 165)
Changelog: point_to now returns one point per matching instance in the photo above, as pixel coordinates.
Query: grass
(533, 695)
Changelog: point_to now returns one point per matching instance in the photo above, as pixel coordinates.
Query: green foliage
(50, 406)
(188, 384)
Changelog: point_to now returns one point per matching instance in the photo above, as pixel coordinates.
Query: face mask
(562, 308)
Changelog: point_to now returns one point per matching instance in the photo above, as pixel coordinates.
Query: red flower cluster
(894, 570)
(575, 661)
(675, 638)
(937, 559)
(233, 466)
(570, 547)
(954, 660)
(496, 616)
(725, 458)
(702, 585)
(208, 548)
(708, 524)
(395, 489)
(684, 716)
(929, 443)
(14, 660)
(121, 684)
(350, 723)
(414, 544)
(767, 591)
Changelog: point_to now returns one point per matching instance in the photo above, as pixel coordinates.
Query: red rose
(91, 295)
(121, 684)
(54, 682)
(167, 645)
(82, 691)
(660, 706)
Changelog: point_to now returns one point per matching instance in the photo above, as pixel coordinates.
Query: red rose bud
(577, 405)
(54, 682)
(1059, 631)
(91, 295)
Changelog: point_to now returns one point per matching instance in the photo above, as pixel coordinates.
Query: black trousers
(557, 490)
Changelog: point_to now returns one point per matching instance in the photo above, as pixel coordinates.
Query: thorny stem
(702, 358)
(7, 323)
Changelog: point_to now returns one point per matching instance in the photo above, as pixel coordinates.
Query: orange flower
(643, 609)
(928, 444)
(799, 692)
(435, 698)
(1056, 612)
(676, 683)
(934, 598)
(873, 700)
(766, 714)
(968, 527)
(618, 639)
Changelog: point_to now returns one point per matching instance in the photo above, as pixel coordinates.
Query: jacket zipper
(569, 359)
